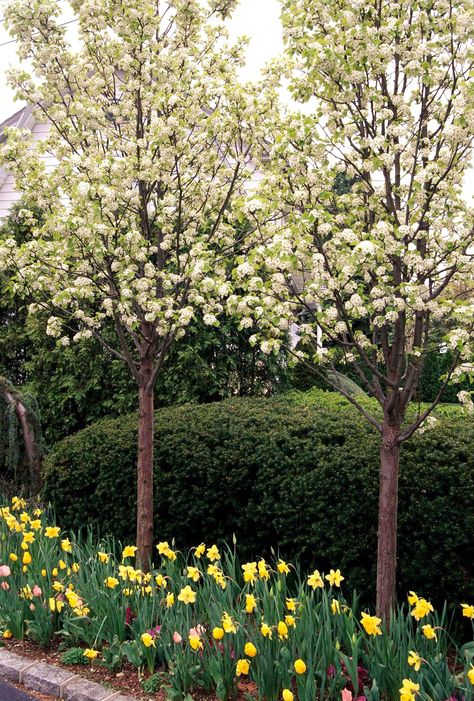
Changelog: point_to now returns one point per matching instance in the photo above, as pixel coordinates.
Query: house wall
(8, 192)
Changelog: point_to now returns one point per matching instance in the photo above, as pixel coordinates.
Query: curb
(54, 681)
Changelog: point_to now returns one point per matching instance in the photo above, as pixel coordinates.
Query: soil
(127, 681)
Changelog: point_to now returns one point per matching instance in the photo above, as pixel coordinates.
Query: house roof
(12, 121)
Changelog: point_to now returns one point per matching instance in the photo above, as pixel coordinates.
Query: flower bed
(203, 621)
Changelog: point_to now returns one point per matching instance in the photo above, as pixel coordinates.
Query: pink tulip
(5, 571)
(177, 638)
(5, 586)
(346, 695)
(36, 591)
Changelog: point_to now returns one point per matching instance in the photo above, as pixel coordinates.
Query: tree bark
(30, 443)
(145, 466)
(387, 524)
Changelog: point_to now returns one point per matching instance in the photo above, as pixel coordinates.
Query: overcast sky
(257, 19)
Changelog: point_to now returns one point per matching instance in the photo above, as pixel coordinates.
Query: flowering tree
(152, 136)
(372, 267)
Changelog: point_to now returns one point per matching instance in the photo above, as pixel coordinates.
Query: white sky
(259, 20)
(256, 19)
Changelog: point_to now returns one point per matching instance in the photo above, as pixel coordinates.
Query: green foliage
(281, 473)
(75, 655)
(153, 684)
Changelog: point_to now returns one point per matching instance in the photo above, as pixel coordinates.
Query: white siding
(8, 193)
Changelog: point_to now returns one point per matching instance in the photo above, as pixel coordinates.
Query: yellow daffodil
(111, 582)
(371, 624)
(282, 630)
(66, 545)
(334, 578)
(412, 598)
(62, 565)
(26, 592)
(250, 603)
(421, 609)
(28, 537)
(147, 639)
(291, 604)
(265, 630)
(103, 557)
(195, 641)
(414, 660)
(228, 624)
(80, 611)
(468, 610)
(36, 524)
(299, 666)
(213, 553)
(242, 667)
(290, 621)
(129, 551)
(408, 690)
(193, 573)
(187, 595)
(250, 650)
(282, 567)
(200, 550)
(75, 567)
(470, 675)
(90, 653)
(163, 547)
(27, 559)
(429, 632)
(263, 572)
(335, 606)
(250, 572)
(170, 554)
(315, 580)
(7, 634)
(13, 557)
(55, 605)
(161, 581)
(169, 599)
(218, 633)
(52, 531)
(18, 504)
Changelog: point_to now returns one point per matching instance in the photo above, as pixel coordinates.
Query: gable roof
(21, 119)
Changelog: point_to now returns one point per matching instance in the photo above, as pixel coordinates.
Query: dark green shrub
(282, 474)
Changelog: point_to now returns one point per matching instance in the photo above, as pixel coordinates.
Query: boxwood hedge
(278, 474)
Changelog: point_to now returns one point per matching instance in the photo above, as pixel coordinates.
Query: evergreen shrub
(282, 474)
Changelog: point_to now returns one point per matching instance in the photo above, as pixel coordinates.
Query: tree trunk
(387, 526)
(32, 453)
(145, 467)
(30, 443)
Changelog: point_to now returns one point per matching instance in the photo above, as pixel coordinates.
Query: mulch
(127, 681)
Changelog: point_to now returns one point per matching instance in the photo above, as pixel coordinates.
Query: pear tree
(373, 269)
(151, 146)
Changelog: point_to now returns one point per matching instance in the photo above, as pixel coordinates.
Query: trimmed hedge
(303, 478)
